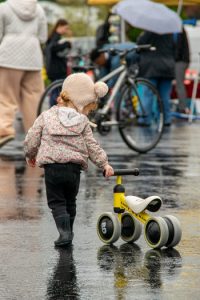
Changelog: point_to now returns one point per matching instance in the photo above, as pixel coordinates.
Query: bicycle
(140, 125)
(130, 212)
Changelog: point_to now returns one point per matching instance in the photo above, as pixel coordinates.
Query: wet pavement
(31, 268)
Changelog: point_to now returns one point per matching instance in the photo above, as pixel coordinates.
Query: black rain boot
(71, 225)
(63, 226)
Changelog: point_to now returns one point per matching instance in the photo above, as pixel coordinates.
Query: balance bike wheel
(156, 232)
(175, 231)
(131, 228)
(108, 228)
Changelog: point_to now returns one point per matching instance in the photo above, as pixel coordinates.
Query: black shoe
(63, 226)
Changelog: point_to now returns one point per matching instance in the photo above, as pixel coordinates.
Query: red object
(189, 83)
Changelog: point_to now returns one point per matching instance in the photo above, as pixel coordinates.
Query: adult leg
(164, 87)
(147, 102)
(32, 87)
(9, 95)
(180, 87)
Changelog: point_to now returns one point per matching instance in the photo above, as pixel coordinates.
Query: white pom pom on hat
(82, 91)
(100, 88)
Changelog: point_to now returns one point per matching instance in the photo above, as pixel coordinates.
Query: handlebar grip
(118, 172)
(148, 47)
(145, 46)
(112, 51)
(103, 50)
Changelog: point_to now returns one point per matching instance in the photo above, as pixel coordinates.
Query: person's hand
(31, 162)
(108, 171)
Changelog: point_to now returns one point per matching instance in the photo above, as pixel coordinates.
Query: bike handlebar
(78, 56)
(119, 172)
(121, 53)
(83, 68)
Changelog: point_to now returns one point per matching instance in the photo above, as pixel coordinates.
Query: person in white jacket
(23, 27)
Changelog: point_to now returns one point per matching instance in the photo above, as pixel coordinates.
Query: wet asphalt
(32, 269)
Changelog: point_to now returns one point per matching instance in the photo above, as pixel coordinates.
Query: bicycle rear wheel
(140, 116)
(49, 96)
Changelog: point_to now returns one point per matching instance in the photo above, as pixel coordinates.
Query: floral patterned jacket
(61, 135)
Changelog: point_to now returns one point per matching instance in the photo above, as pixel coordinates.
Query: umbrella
(148, 15)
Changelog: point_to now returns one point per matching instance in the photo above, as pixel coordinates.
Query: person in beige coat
(23, 27)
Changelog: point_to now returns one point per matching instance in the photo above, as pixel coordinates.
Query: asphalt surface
(31, 268)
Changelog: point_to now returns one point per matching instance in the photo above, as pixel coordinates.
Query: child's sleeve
(33, 138)
(96, 154)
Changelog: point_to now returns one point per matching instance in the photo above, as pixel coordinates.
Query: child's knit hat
(82, 91)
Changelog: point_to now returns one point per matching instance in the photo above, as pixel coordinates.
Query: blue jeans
(164, 87)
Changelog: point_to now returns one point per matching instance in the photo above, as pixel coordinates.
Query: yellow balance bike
(130, 212)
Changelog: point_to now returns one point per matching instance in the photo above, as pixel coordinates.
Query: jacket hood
(70, 117)
(65, 121)
(25, 9)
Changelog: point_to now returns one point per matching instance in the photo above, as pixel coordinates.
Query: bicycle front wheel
(140, 116)
(49, 96)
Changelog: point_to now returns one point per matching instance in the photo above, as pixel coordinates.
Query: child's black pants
(62, 185)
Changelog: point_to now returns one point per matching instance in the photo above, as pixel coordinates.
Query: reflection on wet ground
(31, 268)
(63, 280)
(131, 267)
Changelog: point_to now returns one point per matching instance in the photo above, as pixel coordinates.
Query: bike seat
(82, 68)
(152, 203)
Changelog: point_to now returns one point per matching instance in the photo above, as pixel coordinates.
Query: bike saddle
(152, 203)
(82, 68)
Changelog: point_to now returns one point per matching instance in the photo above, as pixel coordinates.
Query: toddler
(61, 141)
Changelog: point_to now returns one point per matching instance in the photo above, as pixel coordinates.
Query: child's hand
(31, 162)
(108, 171)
